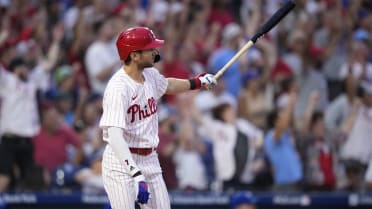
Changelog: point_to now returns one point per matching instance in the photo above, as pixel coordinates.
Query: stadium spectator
(328, 37)
(280, 147)
(64, 79)
(65, 105)
(305, 73)
(190, 170)
(124, 17)
(18, 92)
(285, 87)
(88, 117)
(53, 139)
(90, 177)
(339, 109)
(235, 143)
(81, 38)
(357, 148)
(72, 16)
(298, 49)
(101, 58)
(357, 63)
(232, 37)
(253, 103)
(204, 101)
(167, 145)
(319, 157)
(182, 65)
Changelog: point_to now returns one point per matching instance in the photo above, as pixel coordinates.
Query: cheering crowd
(294, 113)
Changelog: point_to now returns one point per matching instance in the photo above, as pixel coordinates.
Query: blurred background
(292, 115)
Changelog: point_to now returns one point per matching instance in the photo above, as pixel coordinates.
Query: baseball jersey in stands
(132, 106)
(19, 111)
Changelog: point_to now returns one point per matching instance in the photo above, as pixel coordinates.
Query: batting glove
(203, 80)
(142, 190)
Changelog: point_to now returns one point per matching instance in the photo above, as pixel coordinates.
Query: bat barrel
(274, 20)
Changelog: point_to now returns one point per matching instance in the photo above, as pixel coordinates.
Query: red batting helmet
(137, 38)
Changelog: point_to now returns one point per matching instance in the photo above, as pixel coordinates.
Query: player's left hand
(142, 192)
(207, 81)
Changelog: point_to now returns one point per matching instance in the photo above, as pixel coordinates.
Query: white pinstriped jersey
(132, 106)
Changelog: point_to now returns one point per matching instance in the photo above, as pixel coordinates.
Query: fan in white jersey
(130, 166)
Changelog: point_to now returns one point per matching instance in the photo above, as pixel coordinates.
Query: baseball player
(130, 167)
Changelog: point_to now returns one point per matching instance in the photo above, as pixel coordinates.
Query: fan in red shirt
(50, 144)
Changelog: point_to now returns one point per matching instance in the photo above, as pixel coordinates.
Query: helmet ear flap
(157, 56)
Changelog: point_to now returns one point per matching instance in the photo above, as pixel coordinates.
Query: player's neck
(134, 73)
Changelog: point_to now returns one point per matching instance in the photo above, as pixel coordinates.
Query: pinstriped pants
(119, 185)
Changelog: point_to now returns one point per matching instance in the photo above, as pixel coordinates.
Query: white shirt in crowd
(224, 138)
(91, 182)
(19, 110)
(206, 100)
(98, 57)
(190, 170)
(358, 145)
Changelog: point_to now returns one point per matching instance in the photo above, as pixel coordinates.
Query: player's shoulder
(118, 80)
(152, 74)
(150, 71)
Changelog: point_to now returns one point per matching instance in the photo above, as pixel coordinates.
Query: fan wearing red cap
(131, 171)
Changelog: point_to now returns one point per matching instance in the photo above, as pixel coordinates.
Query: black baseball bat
(274, 20)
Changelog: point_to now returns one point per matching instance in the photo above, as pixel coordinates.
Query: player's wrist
(195, 83)
(134, 171)
(139, 177)
(204, 80)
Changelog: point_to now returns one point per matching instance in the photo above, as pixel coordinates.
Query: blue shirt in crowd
(284, 158)
(232, 76)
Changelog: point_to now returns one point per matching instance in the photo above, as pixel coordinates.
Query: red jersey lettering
(142, 113)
